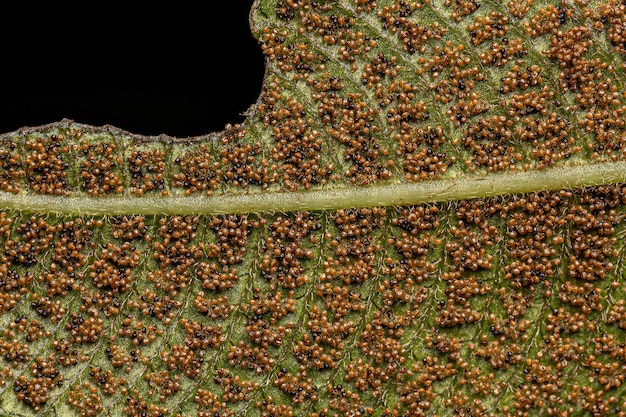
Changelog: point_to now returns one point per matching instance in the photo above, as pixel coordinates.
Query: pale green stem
(477, 186)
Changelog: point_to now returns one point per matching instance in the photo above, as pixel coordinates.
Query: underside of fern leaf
(421, 215)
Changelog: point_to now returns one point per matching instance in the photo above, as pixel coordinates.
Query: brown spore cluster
(146, 169)
(12, 173)
(47, 165)
(197, 171)
(100, 168)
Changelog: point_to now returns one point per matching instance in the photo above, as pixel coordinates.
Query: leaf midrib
(335, 198)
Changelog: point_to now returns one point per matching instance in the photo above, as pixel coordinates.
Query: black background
(181, 69)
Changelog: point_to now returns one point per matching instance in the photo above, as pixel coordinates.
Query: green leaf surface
(421, 215)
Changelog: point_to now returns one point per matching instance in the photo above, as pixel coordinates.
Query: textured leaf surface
(503, 305)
